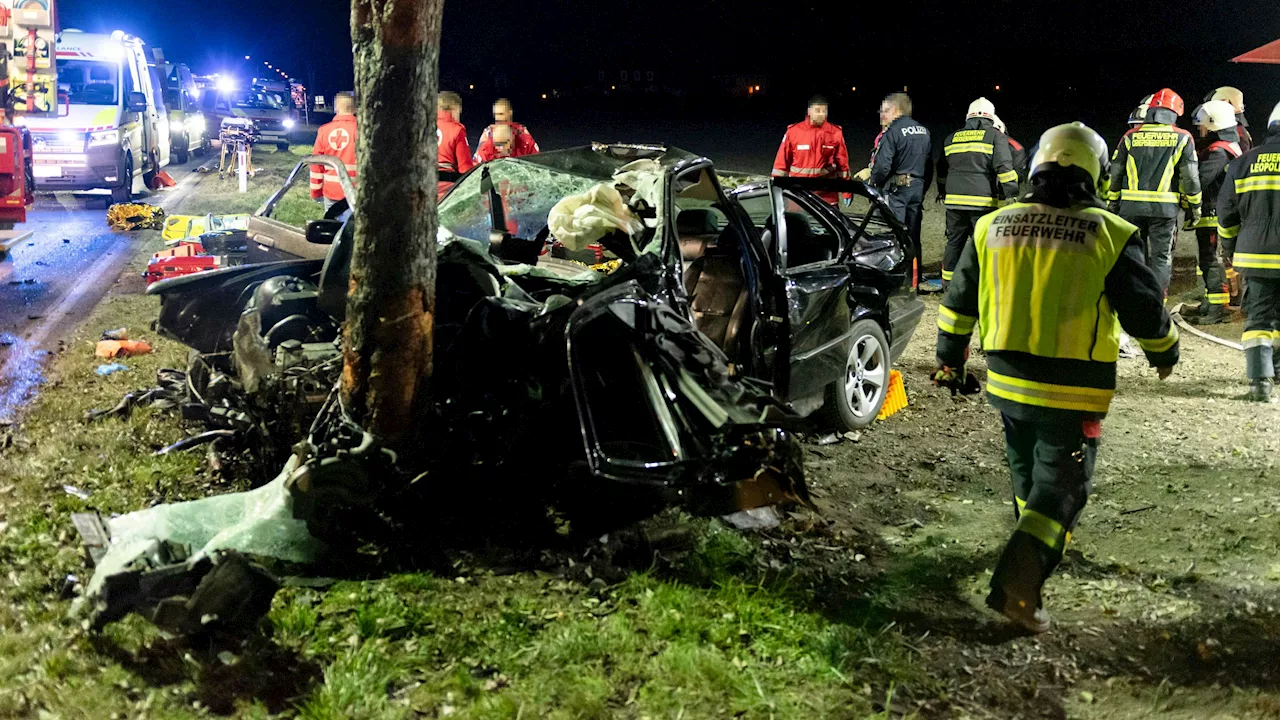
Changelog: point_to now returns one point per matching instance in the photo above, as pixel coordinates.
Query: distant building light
(997, 87)
(757, 88)
(904, 88)
(544, 96)
(613, 87)
(471, 87)
(853, 89)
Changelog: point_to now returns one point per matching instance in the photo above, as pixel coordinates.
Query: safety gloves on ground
(956, 379)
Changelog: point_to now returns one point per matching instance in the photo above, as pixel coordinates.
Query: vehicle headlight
(195, 124)
(162, 125)
(288, 123)
(104, 137)
(70, 138)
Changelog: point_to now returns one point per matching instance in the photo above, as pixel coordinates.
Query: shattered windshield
(528, 193)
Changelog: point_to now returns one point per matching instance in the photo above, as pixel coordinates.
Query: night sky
(1090, 59)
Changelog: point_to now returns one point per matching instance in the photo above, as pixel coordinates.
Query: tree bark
(387, 339)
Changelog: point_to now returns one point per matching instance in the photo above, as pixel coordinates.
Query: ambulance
(111, 131)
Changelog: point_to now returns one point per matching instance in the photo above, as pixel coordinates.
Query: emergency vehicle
(269, 109)
(110, 131)
(187, 127)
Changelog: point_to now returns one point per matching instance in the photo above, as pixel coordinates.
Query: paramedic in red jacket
(336, 139)
(454, 157)
(522, 140)
(814, 148)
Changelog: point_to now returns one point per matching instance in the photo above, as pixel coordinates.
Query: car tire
(282, 147)
(149, 176)
(124, 193)
(852, 402)
(182, 152)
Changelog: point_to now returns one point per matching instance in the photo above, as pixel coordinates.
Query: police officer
(903, 163)
(1249, 213)
(1218, 145)
(1147, 162)
(1051, 345)
(974, 175)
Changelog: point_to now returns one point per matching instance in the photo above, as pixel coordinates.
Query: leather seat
(718, 294)
(696, 229)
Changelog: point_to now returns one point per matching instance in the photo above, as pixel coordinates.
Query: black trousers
(960, 224)
(1158, 234)
(1261, 306)
(1052, 465)
(907, 204)
(1212, 272)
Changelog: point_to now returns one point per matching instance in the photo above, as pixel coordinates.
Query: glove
(959, 381)
(863, 175)
(1193, 216)
(846, 199)
(941, 196)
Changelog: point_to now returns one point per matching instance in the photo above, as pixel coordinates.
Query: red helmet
(1169, 100)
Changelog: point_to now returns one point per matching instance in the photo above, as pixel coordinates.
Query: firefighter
(814, 148)
(974, 175)
(523, 142)
(454, 156)
(1139, 114)
(1051, 345)
(903, 164)
(1219, 145)
(1017, 153)
(1236, 99)
(336, 138)
(1249, 214)
(1148, 161)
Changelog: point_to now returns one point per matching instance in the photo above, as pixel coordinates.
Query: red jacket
(336, 139)
(814, 152)
(454, 155)
(524, 143)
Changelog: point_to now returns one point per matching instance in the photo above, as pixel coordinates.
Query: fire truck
(28, 76)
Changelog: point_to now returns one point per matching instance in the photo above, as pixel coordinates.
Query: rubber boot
(1015, 587)
(1208, 314)
(1262, 391)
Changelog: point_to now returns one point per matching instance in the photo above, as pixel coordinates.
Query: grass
(714, 637)
(223, 196)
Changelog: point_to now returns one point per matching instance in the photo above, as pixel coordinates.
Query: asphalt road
(53, 279)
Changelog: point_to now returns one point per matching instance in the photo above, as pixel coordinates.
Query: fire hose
(1176, 312)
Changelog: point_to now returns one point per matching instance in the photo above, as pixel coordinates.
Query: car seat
(717, 291)
(696, 229)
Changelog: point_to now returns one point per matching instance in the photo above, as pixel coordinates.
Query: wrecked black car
(813, 301)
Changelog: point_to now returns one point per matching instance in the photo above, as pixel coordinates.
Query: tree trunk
(391, 300)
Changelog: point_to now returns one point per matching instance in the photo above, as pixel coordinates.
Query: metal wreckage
(566, 340)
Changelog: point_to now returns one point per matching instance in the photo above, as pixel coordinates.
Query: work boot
(1261, 391)
(1016, 584)
(1208, 314)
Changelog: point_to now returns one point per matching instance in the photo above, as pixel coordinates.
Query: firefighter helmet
(1232, 96)
(1168, 100)
(981, 108)
(1139, 114)
(1215, 115)
(999, 124)
(1274, 120)
(1073, 144)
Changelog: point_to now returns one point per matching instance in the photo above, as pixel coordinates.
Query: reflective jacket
(1214, 158)
(1052, 281)
(336, 139)
(976, 169)
(813, 152)
(1144, 167)
(522, 144)
(454, 156)
(1249, 209)
(1018, 155)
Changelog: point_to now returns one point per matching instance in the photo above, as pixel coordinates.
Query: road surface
(50, 281)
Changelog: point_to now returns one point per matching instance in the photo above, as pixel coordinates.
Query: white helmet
(1275, 117)
(1216, 115)
(999, 124)
(1232, 96)
(1072, 144)
(981, 108)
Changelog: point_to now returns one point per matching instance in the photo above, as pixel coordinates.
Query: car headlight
(104, 137)
(288, 123)
(195, 124)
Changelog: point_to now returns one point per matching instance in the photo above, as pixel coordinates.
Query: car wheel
(282, 147)
(124, 193)
(182, 152)
(853, 401)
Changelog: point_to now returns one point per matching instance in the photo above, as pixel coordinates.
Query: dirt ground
(1166, 603)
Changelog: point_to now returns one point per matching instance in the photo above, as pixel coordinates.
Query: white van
(111, 131)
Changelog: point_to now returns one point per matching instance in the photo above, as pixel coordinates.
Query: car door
(806, 247)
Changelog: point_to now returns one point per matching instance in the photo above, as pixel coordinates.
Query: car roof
(602, 160)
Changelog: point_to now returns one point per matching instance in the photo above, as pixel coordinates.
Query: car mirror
(137, 102)
(322, 232)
